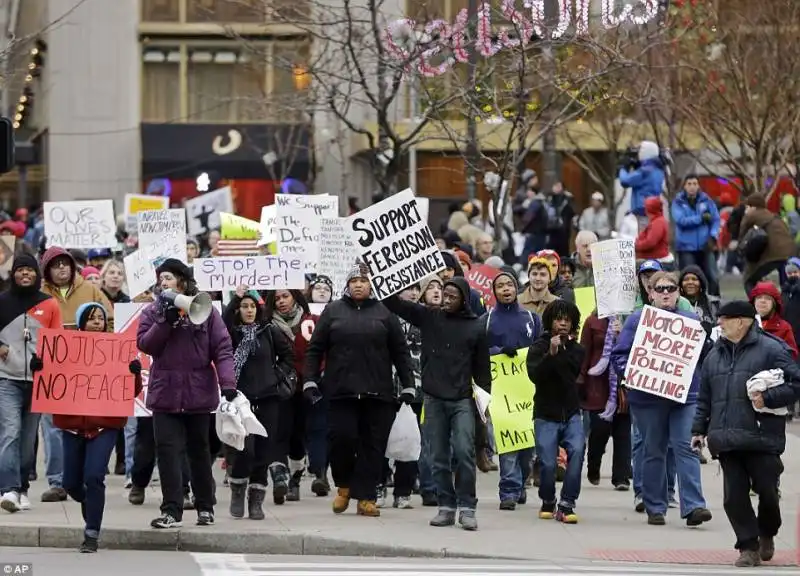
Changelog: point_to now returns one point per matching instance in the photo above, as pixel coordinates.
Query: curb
(277, 543)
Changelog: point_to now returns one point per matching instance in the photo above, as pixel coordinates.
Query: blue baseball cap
(650, 266)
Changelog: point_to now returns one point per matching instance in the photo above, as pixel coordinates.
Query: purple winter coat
(182, 378)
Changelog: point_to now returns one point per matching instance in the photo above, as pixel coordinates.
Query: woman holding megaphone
(187, 340)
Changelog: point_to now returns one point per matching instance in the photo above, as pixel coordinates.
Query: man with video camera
(643, 171)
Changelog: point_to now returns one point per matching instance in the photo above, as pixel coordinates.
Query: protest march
(379, 360)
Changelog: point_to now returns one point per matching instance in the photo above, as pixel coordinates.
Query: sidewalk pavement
(609, 528)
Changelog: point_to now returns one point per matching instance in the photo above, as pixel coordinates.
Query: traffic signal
(6, 146)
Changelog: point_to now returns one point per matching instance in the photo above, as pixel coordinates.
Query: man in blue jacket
(645, 181)
(697, 225)
(510, 327)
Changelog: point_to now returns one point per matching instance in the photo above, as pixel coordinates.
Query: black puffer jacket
(360, 342)
(725, 414)
(455, 348)
(557, 397)
(258, 379)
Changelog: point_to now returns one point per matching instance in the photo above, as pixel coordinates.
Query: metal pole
(22, 187)
(472, 152)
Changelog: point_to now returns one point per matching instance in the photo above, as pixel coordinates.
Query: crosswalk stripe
(243, 565)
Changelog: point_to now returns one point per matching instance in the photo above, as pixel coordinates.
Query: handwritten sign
(203, 212)
(266, 226)
(615, 283)
(80, 224)
(140, 273)
(7, 244)
(480, 278)
(233, 227)
(85, 373)
(126, 322)
(664, 355)
(337, 253)
(297, 225)
(395, 243)
(511, 407)
(135, 203)
(163, 234)
(256, 272)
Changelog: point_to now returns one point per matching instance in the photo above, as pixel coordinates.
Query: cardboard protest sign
(81, 224)
(203, 212)
(615, 282)
(135, 203)
(511, 407)
(162, 233)
(140, 273)
(233, 227)
(337, 253)
(85, 373)
(297, 225)
(7, 244)
(480, 278)
(266, 226)
(255, 272)
(664, 355)
(395, 243)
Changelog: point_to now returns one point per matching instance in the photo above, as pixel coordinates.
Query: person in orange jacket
(653, 242)
(768, 303)
(89, 440)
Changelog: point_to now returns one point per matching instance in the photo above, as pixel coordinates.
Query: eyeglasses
(665, 289)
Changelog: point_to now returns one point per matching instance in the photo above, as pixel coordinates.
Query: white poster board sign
(163, 234)
(297, 225)
(140, 274)
(255, 272)
(664, 355)
(80, 224)
(266, 227)
(395, 243)
(203, 212)
(337, 253)
(615, 282)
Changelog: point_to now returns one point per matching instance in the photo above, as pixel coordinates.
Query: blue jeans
(637, 457)
(450, 427)
(317, 437)
(514, 469)
(18, 429)
(130, 441)
(662, 425)
(707, 261)
(53, 452)
(85, 463)
(549, 436)
(427, 485)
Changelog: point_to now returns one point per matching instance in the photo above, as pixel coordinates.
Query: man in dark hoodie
(454, 353)
(24, 310)
(453, 269)
(510, 327)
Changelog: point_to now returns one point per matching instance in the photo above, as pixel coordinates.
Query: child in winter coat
(653, 241)
(769, 305)
(89, 440)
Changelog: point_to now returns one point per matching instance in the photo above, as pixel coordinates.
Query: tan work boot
(341, 501)
(368, 508)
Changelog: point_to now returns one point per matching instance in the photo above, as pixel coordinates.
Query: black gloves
(407, 397)
(135, 366)
(229, 394)
(36, 364)
(509, 351)
(706, 216)
(311, 393)
(172, 315)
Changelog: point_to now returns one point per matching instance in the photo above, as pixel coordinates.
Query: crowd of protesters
(326, 387)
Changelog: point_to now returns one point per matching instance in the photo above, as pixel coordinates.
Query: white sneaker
(10, 502)
(128, 483)
(403, 502)
(24, 502)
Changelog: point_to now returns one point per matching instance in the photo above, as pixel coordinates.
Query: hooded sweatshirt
(510, 325)
(653, 241)
(455, 348)
(775, 324)
(474, 301)
(20, 308)
(78, 292)
(702, 306)
(790, 294)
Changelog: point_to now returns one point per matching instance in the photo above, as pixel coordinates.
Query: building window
(290, 80)
(160, 10)
(225, 86)
(235, 11)
(161, 85)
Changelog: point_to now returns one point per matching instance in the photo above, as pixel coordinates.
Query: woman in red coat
(653, 241)
(288, 310)
(769, 305)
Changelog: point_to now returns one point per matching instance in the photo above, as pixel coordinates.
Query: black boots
(294, 486)
(238, 493)
(280, 482)
(255, 501)
(320, 485)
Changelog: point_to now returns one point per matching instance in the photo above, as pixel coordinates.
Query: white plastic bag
(482, 401)
(235, 420)
(405, 442)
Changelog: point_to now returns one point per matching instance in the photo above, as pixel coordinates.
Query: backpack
(755, 242)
